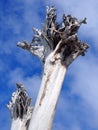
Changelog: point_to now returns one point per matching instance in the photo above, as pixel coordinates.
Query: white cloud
(85, 82)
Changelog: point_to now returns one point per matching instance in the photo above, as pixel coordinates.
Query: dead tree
(57, 46)
(20, 109)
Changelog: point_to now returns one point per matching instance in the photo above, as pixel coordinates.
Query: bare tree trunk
(48, 96)
(57, 47)
(18, 124)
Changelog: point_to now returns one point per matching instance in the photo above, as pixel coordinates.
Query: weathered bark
(45, 107)
(20, 109)
(57, 46)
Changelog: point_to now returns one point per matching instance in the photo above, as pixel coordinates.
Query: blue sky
(77, 108)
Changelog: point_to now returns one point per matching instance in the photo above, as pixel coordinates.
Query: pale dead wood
(20, 108)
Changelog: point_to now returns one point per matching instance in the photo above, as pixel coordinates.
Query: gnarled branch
(61, 40)
(20, 105)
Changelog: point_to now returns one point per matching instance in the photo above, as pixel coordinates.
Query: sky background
(77, 107)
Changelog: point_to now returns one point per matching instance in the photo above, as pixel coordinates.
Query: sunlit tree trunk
(57, 47)
(18, 124)
(45, 106)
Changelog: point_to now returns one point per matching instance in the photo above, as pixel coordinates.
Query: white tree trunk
(45, 106)
(18, 124)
